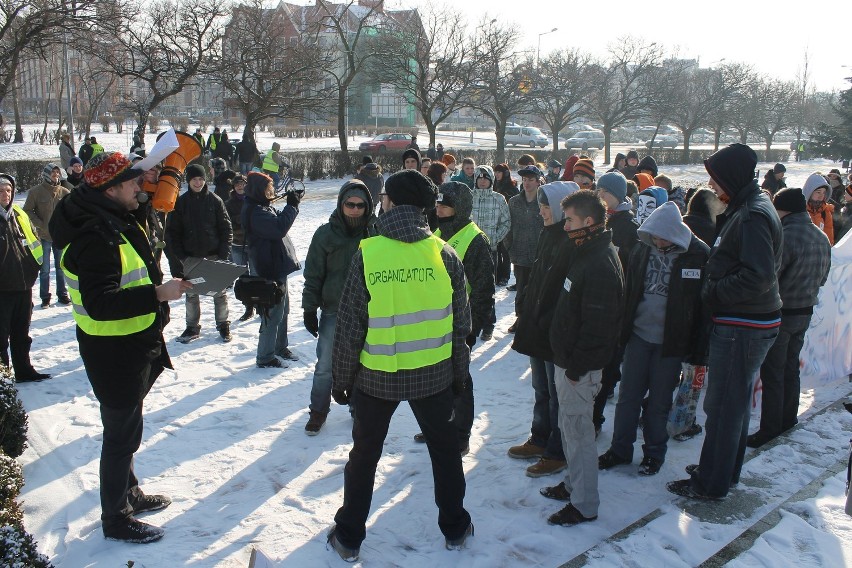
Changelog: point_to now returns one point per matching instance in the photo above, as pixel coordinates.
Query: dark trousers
(736, 354)
(463, 412)
(610, 376)
(780, 376)
(119, 486)
(16, 310)
(522, 278)
(503, 266)
(369, 430)
(492, 319)
(545, 431)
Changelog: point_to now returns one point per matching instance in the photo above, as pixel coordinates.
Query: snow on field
(226, 440)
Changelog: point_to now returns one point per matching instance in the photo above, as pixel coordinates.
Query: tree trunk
(341, 122)
(431, 127)
(19, 129)
(768, 145)
(142, 125)
(717, 135)
(607, 130)
(500, 131)
(687, 134)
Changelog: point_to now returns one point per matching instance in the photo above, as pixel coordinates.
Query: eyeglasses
(351, 205)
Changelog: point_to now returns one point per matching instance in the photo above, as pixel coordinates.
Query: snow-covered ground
(226, 440)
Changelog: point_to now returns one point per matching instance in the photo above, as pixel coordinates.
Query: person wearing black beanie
(411, 159)
(648, 165)
(410, 187)
(790, 200)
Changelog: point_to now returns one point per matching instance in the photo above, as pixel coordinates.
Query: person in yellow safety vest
(272, 163)
(400, 335)
(21, 255)
(120, 306)
(214, 140)
(96, 148)
(454, 206)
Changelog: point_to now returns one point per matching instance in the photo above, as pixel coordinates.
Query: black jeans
(610, 376)
(780, 376)
(522, 278)
(16, 310)
(463, 412)
(503, 266)
(369, 431)
(119, 486)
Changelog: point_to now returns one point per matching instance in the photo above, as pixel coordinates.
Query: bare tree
(426, 60)
(698, 96)
(662, 89)
(503, 84)
(558, 90)
(160, 49)
(352, 38)
(617, 91)
(95, 81)
(778, 103)
(266, 73)
(735, 79)
(746, 110)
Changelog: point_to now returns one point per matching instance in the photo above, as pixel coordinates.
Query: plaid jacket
(403, 223)
(491, 214)
(527, 224)
(805, 261)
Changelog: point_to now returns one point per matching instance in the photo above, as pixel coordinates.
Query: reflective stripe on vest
(461, 242)
(411, 304)
(133, 273)
(32, 241)
(269, 164)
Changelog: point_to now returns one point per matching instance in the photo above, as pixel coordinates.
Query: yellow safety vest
(133, 273)
(32, 241)
(410, 307)
(269, 164)
(96, 149)
(461, 241)
(212, 142)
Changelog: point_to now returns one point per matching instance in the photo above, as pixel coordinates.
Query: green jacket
(329, 256)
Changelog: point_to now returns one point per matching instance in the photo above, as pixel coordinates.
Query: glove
(311, 323)
(570, 378)
(341, 397)
(294, 198)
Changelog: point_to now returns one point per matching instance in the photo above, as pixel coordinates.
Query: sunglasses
(350, 205)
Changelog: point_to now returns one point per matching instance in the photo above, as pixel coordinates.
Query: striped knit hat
(108, 169)
(585, 166)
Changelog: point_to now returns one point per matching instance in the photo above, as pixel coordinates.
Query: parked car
(384, 142)
(525, 136)
(664, 141)
(586, 139)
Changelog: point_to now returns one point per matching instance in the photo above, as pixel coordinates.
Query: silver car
(586, 139)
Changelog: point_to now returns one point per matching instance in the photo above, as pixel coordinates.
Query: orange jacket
(822, 218)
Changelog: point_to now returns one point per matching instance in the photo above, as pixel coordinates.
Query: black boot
(249, 313)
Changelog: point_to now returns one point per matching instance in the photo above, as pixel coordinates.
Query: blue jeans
(44, 273)
(273, 329)
(245, 167)
(736, 354)
(545, 424)
(239, 255)
(321, 389)
(645, 371)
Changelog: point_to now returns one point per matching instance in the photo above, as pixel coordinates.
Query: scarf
(585, 234)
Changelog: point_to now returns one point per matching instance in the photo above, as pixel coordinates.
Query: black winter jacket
(479, 271)
(18, 267)
(234, 206)
(265, 229)
(121, 369)
(623, 226)
(199, 226)
(587, 320)
(686, 323)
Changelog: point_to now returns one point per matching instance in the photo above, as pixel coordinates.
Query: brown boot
(315, 423)
(546, 466)
(526, 451)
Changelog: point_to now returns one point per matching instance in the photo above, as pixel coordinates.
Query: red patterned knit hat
(108, 169)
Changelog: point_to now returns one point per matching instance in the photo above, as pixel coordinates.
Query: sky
(771, 35)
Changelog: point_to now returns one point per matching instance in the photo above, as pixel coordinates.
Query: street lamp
(538, 51)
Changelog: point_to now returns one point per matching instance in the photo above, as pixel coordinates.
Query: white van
(525, 136)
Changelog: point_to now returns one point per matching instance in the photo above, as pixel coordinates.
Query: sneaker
(692, 469)
(689, 433)
(148, 503)
(189, 334)
(32, 377)
(610, 459)
(513, 328)
(557, 492)
(569, 515)
(287, 354)
(45, 303)
(249, 313)
(546, 466)
(512, 288)
(346, 553)
(650, 466)
(526, 451)
(420, 438)
(273, 363)
(132, 530)
(64, 300)
(683, 487)
(458, 543)
(487, 334)
(315, 423)
(225, 332)
(502, 283)
(758, 439)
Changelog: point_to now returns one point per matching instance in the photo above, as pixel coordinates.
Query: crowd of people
(618, 277)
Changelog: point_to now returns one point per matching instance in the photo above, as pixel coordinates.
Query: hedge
(27, 173)
(674, 156)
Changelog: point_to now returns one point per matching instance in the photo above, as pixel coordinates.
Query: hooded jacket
(199, 226)
(741, 274)
(805, 262)
(771, 184)
(536, 303)
(330, 253)
(41, 201)
(18, 267)
(265, 231)
(490, 211)
(822, 214)
(648, 163)
(618, 156)
(371, 175)
(568, 169)
(586, 323)
(649, 199)
(478, 261)
(623, 225)
(701, 215)
(121, 369)
(663, 289)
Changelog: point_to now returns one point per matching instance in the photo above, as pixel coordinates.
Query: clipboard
(209, 277)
